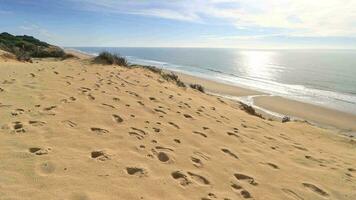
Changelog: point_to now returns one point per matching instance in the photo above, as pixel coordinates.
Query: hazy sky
(185, 23)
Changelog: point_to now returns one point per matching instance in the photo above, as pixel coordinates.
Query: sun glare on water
(258, 64)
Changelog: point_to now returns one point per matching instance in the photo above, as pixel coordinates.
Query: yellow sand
(153, 140)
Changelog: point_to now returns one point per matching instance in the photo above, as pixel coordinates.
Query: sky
(251, 24)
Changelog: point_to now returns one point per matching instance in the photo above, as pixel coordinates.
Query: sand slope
(70, 130)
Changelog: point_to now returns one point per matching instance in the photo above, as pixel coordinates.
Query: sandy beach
(318, 115)
(312, 113)
(74, 130)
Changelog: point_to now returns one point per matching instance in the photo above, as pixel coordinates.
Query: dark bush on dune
(23, 57)
(166, 76)
(107, 58)
(68, 56)
(250, 110)
(174, 78)
(153, 69)
(25, 47)
(197, 87)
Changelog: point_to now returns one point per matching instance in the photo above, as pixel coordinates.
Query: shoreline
(271, 107)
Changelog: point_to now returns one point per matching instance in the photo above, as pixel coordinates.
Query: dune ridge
(74, 130)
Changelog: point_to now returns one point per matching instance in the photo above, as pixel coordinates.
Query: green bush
(107, 58)
(25, 47)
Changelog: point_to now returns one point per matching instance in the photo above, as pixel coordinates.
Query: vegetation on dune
(27, 47)
(198, 87)
(250, 110)
(107, 58)
(173, 77)
(166, 76)
(69, 56)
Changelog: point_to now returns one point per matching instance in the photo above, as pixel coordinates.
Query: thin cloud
(306, 18)
(34, 29)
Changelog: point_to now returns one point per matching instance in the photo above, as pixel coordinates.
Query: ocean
(321, 77)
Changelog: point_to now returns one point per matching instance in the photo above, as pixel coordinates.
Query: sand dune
(72, 130)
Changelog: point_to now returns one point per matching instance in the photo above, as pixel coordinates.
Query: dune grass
(198, 87)
(107, 58)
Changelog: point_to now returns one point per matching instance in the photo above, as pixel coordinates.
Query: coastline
(266, 104)
(272, 107)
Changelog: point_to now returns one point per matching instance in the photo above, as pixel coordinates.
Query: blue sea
(322, 77)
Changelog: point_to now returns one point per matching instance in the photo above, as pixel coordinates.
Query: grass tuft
(68, 56)
(198, 87)
(250, 110)
(107, 58)
(174, 78)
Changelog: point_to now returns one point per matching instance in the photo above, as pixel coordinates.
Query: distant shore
(322, 116)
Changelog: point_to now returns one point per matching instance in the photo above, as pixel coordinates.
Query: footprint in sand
(99, 131)
(232, 134)
(17, 112)
(196, 162)
(91, 97)
(36, 123)
(292, 194)
(117, 118)
(243, 177)
(212, 195)
(116, 99)
(177, 141)
(199, 179)
(315, 189)
(69, 123)
(351, 170)
(100, 155)
(68, 100)
(200, 133)
(244, 193)
(300, 148)
(173, 124)
(49, 108)
(159, 111)
(138, 133)
(157, 130)
(228, 152)
(108, 105)
(164, 148)
(18, 127)
(163, 157)
(274, 166)
(187, 116)
(136, 171)
(39, 151)
(181, 177)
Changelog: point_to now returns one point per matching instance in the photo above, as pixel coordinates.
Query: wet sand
(312, 113)
(325, 117)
